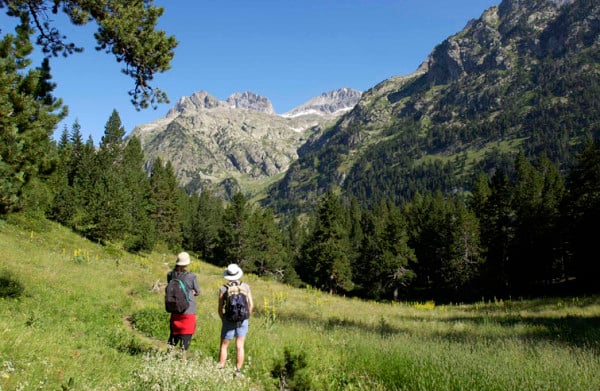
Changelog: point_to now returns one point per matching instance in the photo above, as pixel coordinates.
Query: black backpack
(176, 295)
(236, 302)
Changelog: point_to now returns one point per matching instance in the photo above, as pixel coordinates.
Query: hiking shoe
(238, 373)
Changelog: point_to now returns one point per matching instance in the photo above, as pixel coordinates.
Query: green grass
(67, 307)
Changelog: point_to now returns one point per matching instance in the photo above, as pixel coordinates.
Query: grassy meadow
(78, 316)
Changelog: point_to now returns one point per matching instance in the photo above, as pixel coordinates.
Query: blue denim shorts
(229, 330)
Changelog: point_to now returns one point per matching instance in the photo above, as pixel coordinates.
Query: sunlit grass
(70, 329)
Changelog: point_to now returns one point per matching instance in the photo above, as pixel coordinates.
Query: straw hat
(183, 259)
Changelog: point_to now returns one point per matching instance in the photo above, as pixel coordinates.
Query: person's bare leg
(239, 350)
(223, 353)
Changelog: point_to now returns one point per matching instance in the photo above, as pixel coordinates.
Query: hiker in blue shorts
(235, 307)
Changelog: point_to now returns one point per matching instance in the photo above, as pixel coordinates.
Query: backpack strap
(179, 277)
(236, 287)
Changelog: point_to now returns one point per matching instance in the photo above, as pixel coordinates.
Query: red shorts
(183, 324)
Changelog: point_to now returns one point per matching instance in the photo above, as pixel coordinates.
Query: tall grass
(84, 317)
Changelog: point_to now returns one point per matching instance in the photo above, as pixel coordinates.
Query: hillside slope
(524, 76)
(64, 329)
(66, 308)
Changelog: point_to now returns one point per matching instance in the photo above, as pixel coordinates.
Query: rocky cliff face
(241, 142)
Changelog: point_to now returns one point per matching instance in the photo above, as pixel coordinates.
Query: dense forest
(528, 233)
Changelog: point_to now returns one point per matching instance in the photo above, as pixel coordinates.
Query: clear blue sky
(288, 51)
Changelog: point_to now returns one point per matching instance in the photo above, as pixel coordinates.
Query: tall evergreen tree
(28, 116)
(140, 229)
(58, 181)
(110, 212)
(462, 268)
(582, 213)
(428, 237)
(206, 225)
(497, 221)
(445, 237)
(382, 269)
(188, 205)
(295, 235)
(84, 173)
(326, 262)
(267, 255)
(164, 197)
(233, 239)
(538, 191)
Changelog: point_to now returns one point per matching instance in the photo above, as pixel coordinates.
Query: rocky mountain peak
(250, 101)
(486, 43)
(202, 100)
(220, 145)
(198, 101)
(332, 102)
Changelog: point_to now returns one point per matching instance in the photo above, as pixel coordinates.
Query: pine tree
(233, 240)
(497, 221)
(126, 29)
(295, 235)
(326, 261)
(266, 255)
(164, 198)
(445, 238)
(461, 269)
(140, 229)
(110, 214)
(206, 225)
(28, 116)
(427, 217)
(382, 269)
(538, 191)
(582, 214)
(84, 173)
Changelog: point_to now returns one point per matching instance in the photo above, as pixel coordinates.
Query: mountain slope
(237, 144)
(524, 76)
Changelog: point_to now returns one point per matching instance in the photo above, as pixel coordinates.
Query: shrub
(289, 372)
(153, 322)
(10, 287)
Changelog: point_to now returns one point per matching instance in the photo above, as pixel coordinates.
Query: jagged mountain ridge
(525, 76)
(333, 102)
(224, 145)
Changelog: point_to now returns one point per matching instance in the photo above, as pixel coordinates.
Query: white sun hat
(233, 272)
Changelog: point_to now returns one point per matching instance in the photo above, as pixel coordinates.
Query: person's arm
(196, 287)
(250, 301)
(220, 304)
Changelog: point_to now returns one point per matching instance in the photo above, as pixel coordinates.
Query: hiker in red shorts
(183, 326)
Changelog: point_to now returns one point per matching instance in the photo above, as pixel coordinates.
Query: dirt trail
(160, 345)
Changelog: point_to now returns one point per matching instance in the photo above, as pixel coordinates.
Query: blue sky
(288, 51)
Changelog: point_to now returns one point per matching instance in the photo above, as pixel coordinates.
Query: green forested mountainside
(525, 76)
